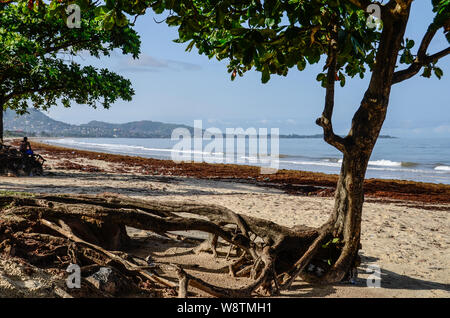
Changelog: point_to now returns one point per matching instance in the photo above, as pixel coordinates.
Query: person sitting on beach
(25, 147)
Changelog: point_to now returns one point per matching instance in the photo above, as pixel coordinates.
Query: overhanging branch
(46, 50)
(31, 91)
(416, 66)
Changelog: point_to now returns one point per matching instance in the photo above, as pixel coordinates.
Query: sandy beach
(408, 239)
(242, 153)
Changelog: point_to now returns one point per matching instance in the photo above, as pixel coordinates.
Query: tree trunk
(366, 126)
(346, 217)
(1, 124)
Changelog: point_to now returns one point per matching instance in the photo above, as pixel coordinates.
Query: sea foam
(442, 168)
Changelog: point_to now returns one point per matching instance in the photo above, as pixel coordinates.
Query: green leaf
(190, 46)
(320, 77)
(121, 20)
(101, 10)
(438, 72)
(301, 64)
(341, 79)
(313, 59)
(270, 22)
(108, 21)
(426, 72)
(173, 20)
(265, 75)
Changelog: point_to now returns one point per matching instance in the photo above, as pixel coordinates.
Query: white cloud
(147, 63)
(442, 129)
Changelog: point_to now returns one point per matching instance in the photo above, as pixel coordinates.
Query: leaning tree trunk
(345, 222)
(346, 219)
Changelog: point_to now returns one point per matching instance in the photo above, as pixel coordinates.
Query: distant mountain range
(37, 124)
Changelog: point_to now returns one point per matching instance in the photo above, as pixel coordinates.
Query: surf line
(214, 151)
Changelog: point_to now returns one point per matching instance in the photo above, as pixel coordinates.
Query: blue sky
(178, 87)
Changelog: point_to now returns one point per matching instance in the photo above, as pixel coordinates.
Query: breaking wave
(442, 168)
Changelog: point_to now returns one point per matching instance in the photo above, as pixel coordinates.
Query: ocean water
(416, 159)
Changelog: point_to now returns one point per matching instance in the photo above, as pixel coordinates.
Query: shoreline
(290, 181)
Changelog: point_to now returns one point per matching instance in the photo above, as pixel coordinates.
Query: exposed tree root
(90, 230)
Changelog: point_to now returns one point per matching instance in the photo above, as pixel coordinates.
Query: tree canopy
(37, 51)
(273, 36)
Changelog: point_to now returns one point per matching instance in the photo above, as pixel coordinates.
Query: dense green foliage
(36, 57)
(273, 36)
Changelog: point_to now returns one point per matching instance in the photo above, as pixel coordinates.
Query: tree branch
(403, 3)
(426, 40)
(47, 50)
(31, 90)
(422, 58)
(66, 45)
(325, 120)
(362, 4)
(435, 57)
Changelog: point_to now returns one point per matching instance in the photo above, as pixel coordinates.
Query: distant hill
(36, 123)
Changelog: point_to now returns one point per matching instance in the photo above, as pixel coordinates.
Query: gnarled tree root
(271, 254)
